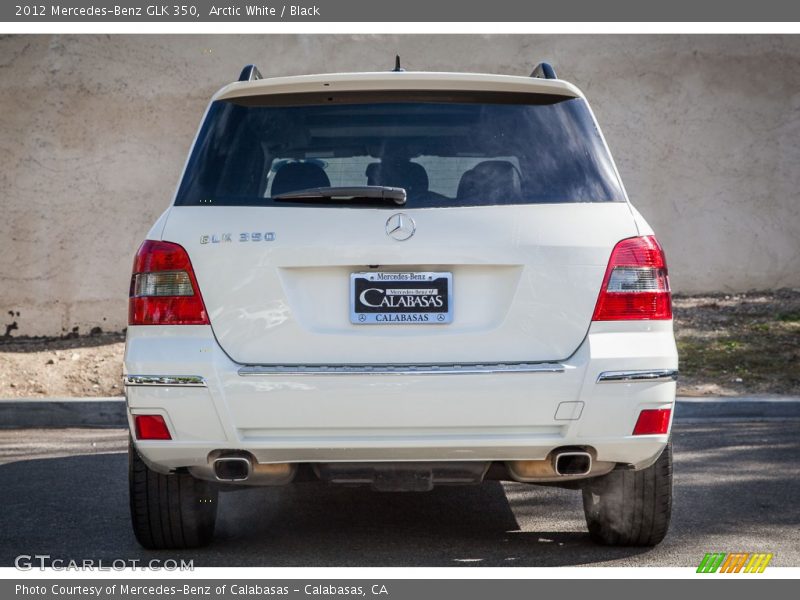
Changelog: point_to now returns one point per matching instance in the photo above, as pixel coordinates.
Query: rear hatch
(513, 209)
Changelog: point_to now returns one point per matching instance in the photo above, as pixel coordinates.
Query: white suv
(400, 280)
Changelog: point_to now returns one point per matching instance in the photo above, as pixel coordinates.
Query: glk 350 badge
(246, 236)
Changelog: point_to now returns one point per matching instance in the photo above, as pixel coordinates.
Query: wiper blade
(346, 194)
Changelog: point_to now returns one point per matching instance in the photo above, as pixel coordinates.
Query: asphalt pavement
(63, 492)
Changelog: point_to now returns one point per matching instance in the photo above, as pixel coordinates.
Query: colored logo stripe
(758, 563)
(735, 562)
(711, 562)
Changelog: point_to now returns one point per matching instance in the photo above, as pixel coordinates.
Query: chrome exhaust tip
(572, 463)
(232, 468)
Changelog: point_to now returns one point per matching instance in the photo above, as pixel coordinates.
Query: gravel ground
(729, 345)
(85, 366)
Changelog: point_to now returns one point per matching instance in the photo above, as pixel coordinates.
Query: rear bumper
(391, 415)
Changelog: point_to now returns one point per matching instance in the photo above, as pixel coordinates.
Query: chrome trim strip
(181, 380)
(654, 375)
(394, 369)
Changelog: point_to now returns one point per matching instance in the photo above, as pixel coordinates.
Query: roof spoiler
(544, 71)
(250, 73)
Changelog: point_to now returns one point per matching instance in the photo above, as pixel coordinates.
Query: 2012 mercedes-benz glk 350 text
(400, 280)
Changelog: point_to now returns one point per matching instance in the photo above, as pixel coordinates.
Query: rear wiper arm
(346, 194)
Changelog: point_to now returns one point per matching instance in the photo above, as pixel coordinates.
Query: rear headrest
(293, 177)
(400, 173)
(494, 181)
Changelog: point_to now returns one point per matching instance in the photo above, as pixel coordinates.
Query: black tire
(631, 508)
(169, 512)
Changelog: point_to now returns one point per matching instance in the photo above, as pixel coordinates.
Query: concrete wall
(94, 131)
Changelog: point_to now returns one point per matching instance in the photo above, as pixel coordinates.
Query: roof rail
(250, 73)
(544, 71)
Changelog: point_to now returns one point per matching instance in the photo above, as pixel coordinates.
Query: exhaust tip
(573, 463)
(232, 468)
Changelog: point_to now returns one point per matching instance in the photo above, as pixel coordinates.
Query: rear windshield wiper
(346, 194)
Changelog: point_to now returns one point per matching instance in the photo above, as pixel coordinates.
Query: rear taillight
(652, 421)
(151, 427)
(163, 287)
(636, 284)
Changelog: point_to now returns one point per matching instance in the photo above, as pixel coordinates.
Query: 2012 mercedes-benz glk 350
(400, 280)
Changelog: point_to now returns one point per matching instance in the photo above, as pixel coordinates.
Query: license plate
(401, 298)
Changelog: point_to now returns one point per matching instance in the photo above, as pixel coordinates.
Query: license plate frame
(370, 304)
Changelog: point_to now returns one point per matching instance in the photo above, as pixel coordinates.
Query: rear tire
(631, 508)
(173, 511)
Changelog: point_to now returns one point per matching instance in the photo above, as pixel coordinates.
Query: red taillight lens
(163, 287)
(652, 421)
(636, 284)
(151, 427)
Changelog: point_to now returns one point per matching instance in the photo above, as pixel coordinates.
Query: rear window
(459, 152)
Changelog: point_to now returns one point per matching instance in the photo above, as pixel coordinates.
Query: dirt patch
(62, 367)
(739, 344)
(728, 345)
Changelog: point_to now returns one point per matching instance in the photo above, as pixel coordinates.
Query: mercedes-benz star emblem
(400, 227)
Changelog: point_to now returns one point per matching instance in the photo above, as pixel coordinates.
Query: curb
(21, 413)
(63, 412)
(743, 408)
